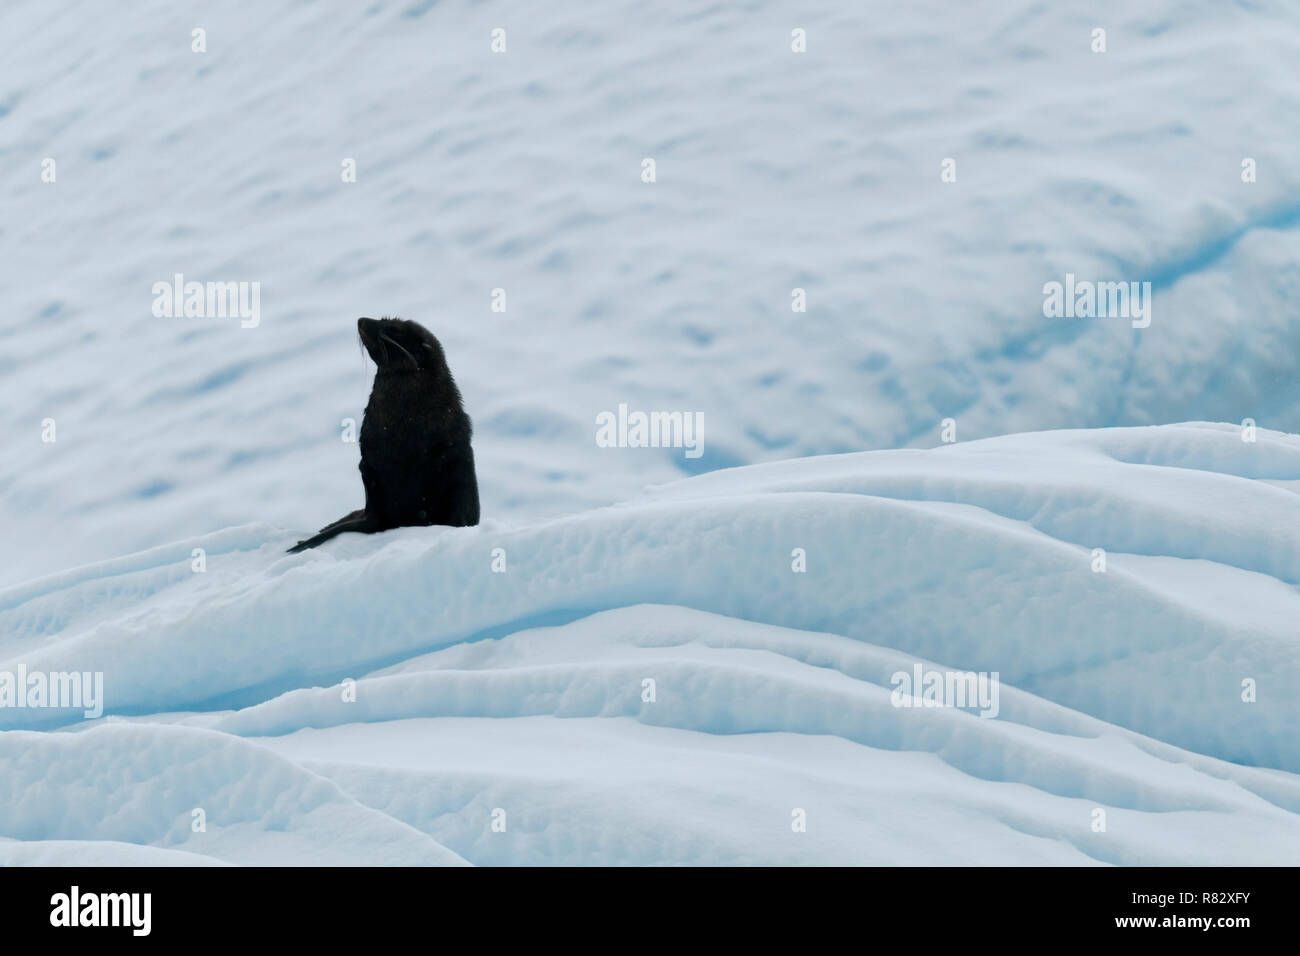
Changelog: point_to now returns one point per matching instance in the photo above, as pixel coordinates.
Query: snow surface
(522, 170)
(522, 690)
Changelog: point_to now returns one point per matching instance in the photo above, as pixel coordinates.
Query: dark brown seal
(416, 462)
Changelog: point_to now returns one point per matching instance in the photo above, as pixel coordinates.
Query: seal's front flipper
(357, 521)
(359, 513)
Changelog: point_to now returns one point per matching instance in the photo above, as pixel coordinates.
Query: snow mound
(655, 683)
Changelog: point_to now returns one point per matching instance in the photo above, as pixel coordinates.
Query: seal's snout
(368, 330)
(396, 344)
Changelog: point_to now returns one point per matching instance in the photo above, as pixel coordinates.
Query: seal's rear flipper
(357, 521)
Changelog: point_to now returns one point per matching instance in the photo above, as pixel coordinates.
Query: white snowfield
(522, 171)
(654, 683)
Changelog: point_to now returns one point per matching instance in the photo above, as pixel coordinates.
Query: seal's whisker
(397, 345)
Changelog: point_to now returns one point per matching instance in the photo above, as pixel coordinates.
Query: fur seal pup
(416, 462)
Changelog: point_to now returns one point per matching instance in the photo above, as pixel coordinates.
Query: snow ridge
(398, 685)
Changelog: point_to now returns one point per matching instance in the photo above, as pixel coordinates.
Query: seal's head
(401, 345)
